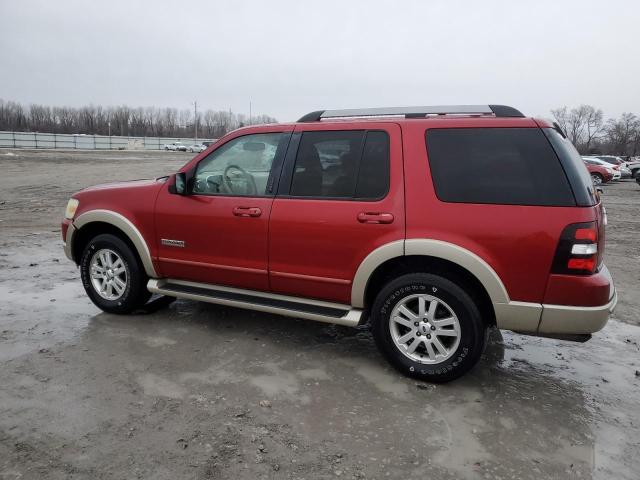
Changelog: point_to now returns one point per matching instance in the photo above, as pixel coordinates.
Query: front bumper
(68, 230)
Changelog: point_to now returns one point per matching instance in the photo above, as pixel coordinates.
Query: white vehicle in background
(176, 147)
(633, 164)
(197, 148)
(608, 166)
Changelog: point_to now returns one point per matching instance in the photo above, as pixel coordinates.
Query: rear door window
(511, 166)
(347, 164)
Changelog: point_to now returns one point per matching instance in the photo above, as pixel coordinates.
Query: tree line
(584, 125)
(123, 120)
(588, 130)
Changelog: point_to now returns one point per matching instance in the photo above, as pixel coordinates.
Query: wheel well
(82, 237)
(395, 267)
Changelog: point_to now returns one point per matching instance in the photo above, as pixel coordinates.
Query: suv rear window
(512, 166)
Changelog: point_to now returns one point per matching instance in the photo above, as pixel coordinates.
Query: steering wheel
(248, 179)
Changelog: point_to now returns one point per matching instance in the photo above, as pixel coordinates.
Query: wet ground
(201, 391)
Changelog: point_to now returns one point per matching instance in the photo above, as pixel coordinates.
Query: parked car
(197, 148)
(618, 163)
(176, 146)
(601, 172)
(633, 164)
(410, 231)
(208, 143)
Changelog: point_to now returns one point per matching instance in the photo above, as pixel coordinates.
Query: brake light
(577, 252)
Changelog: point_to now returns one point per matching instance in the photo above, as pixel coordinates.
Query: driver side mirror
(180, 186)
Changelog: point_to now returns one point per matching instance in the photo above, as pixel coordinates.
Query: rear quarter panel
(518, 242)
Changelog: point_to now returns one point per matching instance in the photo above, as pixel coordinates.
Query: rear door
(340, 197)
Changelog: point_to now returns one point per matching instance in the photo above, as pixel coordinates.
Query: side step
(298, 307)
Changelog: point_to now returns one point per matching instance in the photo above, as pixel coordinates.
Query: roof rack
(414, 112)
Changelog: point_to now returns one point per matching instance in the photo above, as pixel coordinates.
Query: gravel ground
(202, 391)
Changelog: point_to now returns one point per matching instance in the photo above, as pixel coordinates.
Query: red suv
(432, 224)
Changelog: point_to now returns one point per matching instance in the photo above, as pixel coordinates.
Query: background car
(614, 169)
(618, 163)
(633, 164)
(176, 146)
(197, 148)
(599, 173)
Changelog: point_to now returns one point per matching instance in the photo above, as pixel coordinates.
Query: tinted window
(239, 167)
(342, 164)
(514, 166)
(576, 171)
(373, 177)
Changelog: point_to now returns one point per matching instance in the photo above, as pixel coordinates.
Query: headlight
(72, 206)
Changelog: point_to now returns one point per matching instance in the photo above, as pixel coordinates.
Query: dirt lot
(202, 391)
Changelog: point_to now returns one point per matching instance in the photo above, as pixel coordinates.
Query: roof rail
(414, 112)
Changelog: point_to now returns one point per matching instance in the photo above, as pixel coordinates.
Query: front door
(217, 233)
(341, 196)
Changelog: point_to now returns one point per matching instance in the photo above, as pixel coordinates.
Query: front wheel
(596, 179)
(428, 327)
(112, 275)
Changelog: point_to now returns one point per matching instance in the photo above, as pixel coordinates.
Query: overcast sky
(290, 57)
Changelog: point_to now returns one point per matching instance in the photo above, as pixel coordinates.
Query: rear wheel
(428, 327)
(112, 275)
(596, 178)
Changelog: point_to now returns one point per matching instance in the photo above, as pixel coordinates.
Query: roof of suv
(411, 114)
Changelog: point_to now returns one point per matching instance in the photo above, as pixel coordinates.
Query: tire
(453, 304)
(108, 258)
(597, 179)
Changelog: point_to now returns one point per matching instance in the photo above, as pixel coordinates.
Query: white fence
(91, 142)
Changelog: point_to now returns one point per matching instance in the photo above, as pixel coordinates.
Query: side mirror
(180, 184)
(600, 190)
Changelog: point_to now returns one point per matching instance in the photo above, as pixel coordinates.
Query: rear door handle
(375, 217)
(247, 211)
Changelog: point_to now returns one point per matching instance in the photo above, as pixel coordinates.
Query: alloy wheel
(108, 274)
(425, 329)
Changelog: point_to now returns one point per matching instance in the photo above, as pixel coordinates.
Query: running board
(298, 307)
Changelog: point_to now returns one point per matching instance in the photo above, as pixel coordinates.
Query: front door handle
(375, 217)
(247, 211)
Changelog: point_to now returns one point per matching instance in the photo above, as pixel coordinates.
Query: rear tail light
(578, 251)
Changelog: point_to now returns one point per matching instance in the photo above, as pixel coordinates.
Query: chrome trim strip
(129, 229)
(311, 278)
(350, 319)
(212, 265)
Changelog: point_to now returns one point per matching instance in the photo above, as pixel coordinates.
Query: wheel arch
(431, 256)
(95, 222)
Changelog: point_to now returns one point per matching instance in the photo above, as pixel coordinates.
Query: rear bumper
(575, 320)
(551, 319)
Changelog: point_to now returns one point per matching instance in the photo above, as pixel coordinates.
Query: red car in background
(599, 173)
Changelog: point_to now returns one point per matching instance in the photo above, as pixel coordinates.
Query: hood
(128, 184)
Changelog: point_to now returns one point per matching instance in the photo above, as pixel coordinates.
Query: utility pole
(249, 112)
(195, 112)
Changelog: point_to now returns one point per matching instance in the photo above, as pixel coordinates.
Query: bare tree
(594, 125)
(122, 120)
